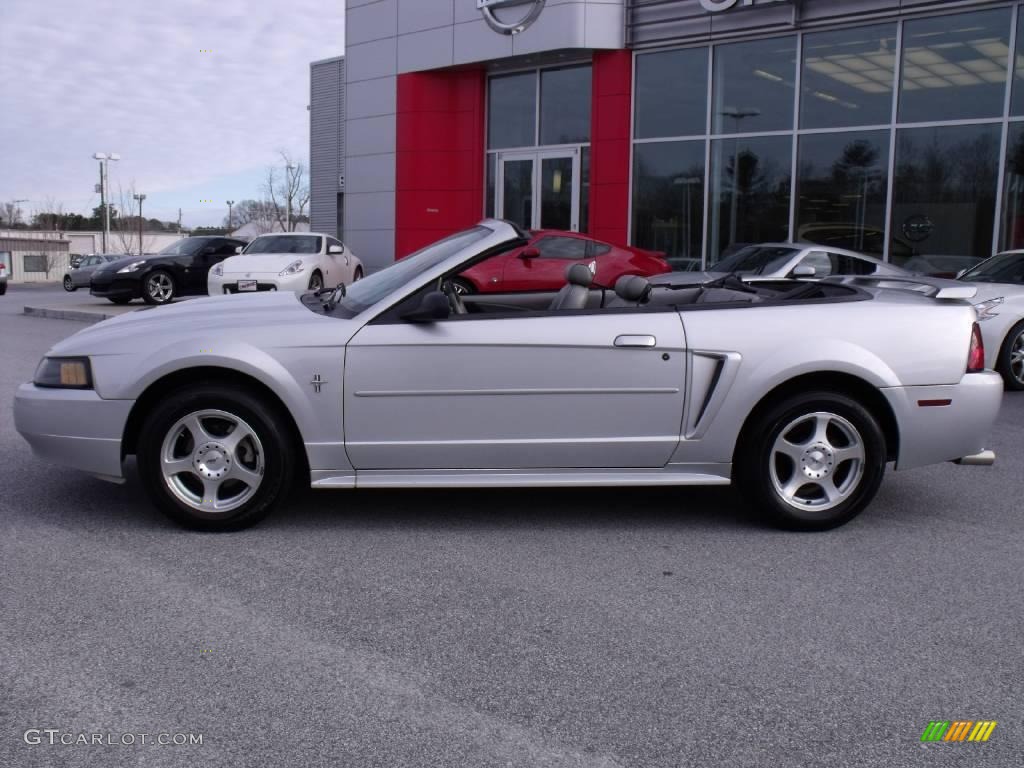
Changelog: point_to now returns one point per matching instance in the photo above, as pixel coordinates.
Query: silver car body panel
(533, 400)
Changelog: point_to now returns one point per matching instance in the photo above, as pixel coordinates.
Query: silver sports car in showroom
(797, 392)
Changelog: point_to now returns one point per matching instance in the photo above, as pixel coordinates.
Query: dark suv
(157, 278)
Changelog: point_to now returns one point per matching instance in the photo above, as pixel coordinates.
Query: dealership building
(692, 127)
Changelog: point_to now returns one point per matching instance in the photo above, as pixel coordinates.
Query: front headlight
(135, 266)
(64, 373)
(292, 269)
(217, 270)
(984, 309)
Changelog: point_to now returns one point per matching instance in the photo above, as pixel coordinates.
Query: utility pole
(230, 203)
(179, 221)
(288, 191)
(104, 158)
(140, 198)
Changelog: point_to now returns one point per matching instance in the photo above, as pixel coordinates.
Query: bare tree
(125, 226)
(287, 191)
(50, 215)
(10, 214)
(259, 213)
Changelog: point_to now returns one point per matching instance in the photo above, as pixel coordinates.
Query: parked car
(177, 270)
(937, 265)
(788, 260)
(78, 275)
(800, 392)
(291, 261)
(1000, 305)
(3, 273)
(540, 264)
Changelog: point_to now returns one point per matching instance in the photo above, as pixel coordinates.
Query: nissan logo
(724, 5)
(487, 7)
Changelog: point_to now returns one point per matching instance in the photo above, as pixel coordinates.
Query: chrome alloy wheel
(159, 287)
(1017, 357)
(212, 461)
(817, 461)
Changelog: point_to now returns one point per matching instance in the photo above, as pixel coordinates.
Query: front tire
(357, 275)
(463, 287)
(1011, 358)
(215, 458)
(812, 461)
(158, 288)
(69, 284)
(316, 281)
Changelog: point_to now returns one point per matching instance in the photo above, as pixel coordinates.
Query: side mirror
(433, 306)
(238, 249)
(335, 249)
(804, 270)
(529, 252)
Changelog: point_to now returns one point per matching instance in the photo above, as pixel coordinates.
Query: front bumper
(932, 431)
(116, 288)
(73, 427)
(265, 281)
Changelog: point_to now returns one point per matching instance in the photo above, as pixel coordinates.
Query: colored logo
(487, 8)
(958, 730)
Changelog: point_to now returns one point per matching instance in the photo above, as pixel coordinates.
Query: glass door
(540, 190)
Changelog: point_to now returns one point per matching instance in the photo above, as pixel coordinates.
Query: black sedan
(177, 270)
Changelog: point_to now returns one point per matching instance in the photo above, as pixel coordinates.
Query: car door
(80, 276)
(198, 270)
(338, 264)
(546, 271)
(538, 390)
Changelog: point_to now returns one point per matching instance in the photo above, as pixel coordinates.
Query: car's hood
(211, 320)
(113, 266)
(263, 262)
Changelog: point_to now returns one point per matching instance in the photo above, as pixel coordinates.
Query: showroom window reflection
(812, 116)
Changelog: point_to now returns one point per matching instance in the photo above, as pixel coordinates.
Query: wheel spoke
(210, 488)
(172, 467)
(195, 425)
(828, 486)
(791, 450)
(797, 482)
(853, 452)
(821, 422)
(242, 473)
(236, 436)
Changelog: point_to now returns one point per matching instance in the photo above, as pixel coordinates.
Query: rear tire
(812, 461)
(1010, 363)
(202, 477)
(69, 284)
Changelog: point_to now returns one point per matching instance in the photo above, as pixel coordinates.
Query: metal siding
(653, 22)
(326, 143)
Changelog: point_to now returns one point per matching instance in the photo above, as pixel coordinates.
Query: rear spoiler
(935, 287)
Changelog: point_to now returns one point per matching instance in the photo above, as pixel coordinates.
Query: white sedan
(293, 261)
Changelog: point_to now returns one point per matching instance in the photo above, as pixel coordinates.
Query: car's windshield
(1004, 268)
(284, 244)
(755, 260)
(184, 247)
(368, 291)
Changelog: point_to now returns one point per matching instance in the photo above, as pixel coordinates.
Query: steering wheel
(455, 301)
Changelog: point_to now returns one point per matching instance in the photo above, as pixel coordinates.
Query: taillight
(976, 355)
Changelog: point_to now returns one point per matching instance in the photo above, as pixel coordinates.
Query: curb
(67, 314)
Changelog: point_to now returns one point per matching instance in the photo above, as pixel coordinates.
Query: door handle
(635, 341)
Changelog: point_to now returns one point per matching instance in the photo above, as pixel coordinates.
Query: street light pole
(140, 198)
(230, 203)
(104, 158)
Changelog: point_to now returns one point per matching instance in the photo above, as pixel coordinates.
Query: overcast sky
(130, 76)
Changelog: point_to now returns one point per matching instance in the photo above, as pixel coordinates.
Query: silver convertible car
(797, 392)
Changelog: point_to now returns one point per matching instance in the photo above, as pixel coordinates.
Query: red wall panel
(609, 145)
(439, 166)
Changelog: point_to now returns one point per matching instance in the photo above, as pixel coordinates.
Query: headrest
(632, 288)
(579, 274)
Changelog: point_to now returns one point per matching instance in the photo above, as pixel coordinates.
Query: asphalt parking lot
(631, 627)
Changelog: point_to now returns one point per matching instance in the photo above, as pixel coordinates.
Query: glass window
(944, 190)
(757, 260)
(565, 105)
(750, 185)
(847, 77)
(1017, 102)
(671, 93)
(512, 111)
(285, 244)
(562, 248)
(489, 201)
(1012, 235)
(819, 261)
(754, 86)
(1004, 268)
(954, 67)
(584, 189)
(842, 182)
(668, 200)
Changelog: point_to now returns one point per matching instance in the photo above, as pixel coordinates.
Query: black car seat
(576, 291)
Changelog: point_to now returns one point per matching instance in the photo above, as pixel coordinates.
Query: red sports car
(541, 264)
